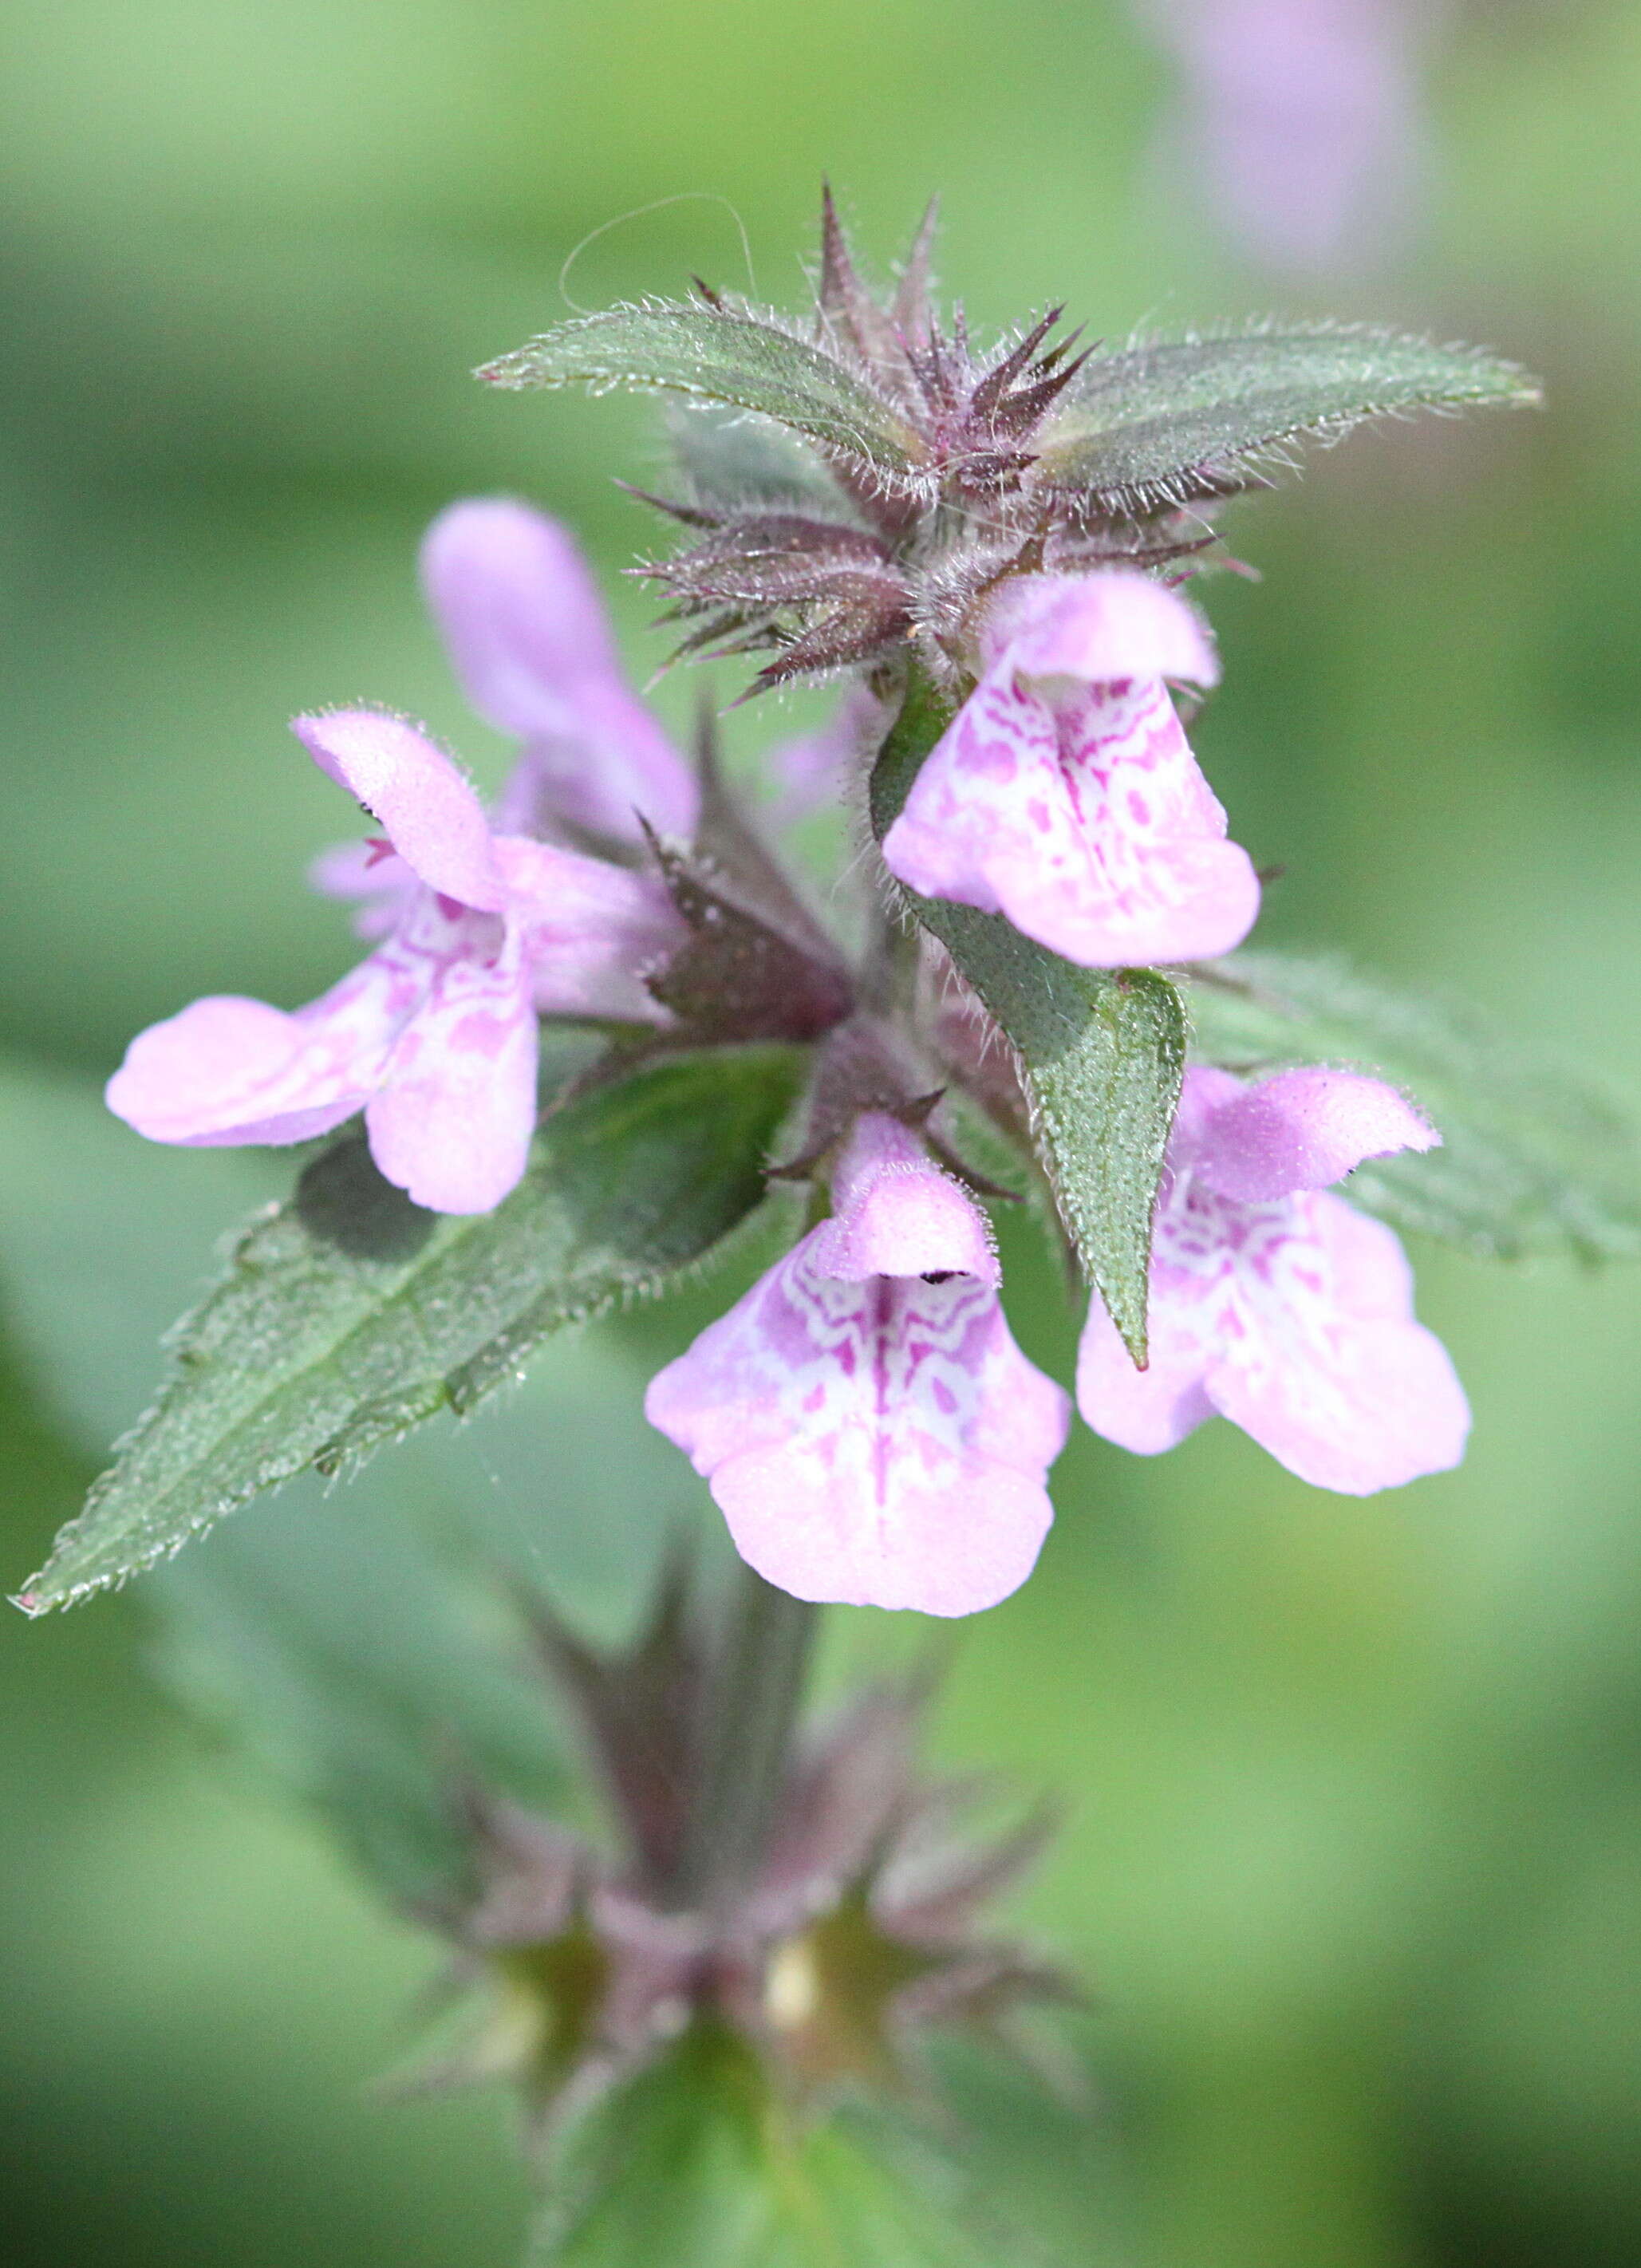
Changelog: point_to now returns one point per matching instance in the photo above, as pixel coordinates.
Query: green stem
(754, 1710)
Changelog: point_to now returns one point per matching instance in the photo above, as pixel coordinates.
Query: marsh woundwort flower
(1276, 1304)
(869, 1429)
(1065, 794)
(434, 1035)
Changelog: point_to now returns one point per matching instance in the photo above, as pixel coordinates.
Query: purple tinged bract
(871, 1432)
(1278, 1305)
(434, 1035)
(1065, 794)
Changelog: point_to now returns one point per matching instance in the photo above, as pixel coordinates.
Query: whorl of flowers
(992, 541)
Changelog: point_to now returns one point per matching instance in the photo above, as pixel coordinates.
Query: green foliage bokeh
(1353, 1841)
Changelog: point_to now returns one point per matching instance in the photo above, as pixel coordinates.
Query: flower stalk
(752, 1708)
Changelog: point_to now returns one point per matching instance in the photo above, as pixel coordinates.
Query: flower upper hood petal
(1097, 628)
(424, 806)
(1304, 1130)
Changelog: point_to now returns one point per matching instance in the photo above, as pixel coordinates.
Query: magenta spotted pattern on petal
(1283, 1308)
(532, 647)
(878, 1438)
(451, 1121)
(1064, 795)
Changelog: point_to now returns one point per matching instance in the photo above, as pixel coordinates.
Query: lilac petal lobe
(1098, 630)
(1390, 1410)
(589, 930)
(1326, 1367)
(1087, 823)
(805, 1533)
(1289, 1313)
(229, 1070)
(1371, 1274)
(1205, 1091)
(226, 1071)
(453, 1121)
(1147, 1411)
(532, 644)
(434, 821)
(898, 1214)
(1000, 751)
(518, 609)
(1304, 1130)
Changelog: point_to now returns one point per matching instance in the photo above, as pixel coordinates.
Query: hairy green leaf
(1176, 419)
(720, 355)
(734, 463)
(1102, 1052)
(349, 1316)
(1531, 1161)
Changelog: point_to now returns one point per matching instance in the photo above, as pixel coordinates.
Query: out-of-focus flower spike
(641, 1709)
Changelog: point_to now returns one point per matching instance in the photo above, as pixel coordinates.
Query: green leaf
(352, 1661)
(724, 356)
(733, 464)
(1175, 419)
(698, 2163)
(349, 1315)
(103, 1238)
(1102, 1053)
(1531, 1160)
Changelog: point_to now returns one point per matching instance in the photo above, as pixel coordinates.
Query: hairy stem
(754, 1708)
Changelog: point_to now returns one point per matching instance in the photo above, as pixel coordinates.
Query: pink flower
(1279, 1307)
(531, 646)
(435, 1035)
(1300, 122)
(871, 1430)
(1064, 793)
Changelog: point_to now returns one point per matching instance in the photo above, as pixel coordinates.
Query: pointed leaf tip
(1102, 1054)
(726, 355)
(1177, 418)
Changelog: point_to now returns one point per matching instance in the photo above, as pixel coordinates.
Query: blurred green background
(1353, 1790)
